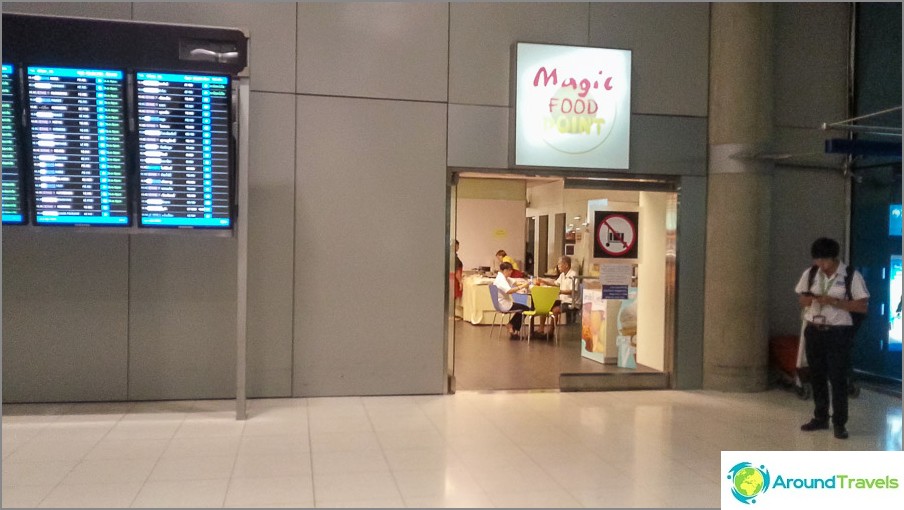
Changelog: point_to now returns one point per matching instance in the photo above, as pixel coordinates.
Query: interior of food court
(536, 220)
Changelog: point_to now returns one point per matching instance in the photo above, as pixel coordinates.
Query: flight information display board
(184, 151)
(77, 119)
(13, 212)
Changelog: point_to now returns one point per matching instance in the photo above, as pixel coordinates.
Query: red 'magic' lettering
(547, 76)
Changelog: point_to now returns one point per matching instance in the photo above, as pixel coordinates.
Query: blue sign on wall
(894, 220)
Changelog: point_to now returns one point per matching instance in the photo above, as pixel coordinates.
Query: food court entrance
(620, 234)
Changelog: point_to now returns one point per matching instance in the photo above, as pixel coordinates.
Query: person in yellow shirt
(501, 256)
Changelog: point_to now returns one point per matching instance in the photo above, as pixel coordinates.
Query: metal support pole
(241, 232)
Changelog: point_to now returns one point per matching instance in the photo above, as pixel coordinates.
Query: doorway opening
(536, 220)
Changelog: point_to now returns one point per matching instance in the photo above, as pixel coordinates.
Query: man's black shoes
(814, 424)
(841, 432)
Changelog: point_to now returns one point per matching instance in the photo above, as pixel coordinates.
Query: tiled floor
(484, 362)
(533, 449)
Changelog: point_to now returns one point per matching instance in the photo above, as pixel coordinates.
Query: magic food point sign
(572, 107)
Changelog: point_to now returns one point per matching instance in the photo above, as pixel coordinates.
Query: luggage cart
(785, 357)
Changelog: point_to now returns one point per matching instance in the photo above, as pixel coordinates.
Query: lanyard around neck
(826, 283)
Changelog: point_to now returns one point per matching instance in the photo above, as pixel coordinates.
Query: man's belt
(825, 327)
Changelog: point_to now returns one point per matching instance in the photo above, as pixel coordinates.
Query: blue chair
(494, 297)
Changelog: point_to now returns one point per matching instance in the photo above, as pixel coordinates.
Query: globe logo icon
(748, 481)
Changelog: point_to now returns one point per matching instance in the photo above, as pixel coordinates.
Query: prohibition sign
(616, 235)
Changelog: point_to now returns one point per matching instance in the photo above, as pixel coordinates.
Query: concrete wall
(808, 189)
(356, 112)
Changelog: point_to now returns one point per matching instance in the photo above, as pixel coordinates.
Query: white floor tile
(143, 429)
(514, 478)
(193, 468)
(401, 439)
(618, 449)
(319, 424)
(439, 482)
(274, 426)
(202, 447)
(117, 495)
(210, 427)
(36, 472)
(273, 445)
(110, 471)
(121, 448)
(78, 431)
(272, 466)
(298, 492)
(362, 503)
(368, 461)
(534, 499)
(25, 496)
(332, 489)
(424, 458)
(344, 441)
(457, 500)
(182, 494)
(52, 449)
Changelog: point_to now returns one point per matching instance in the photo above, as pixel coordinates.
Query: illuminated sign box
(572, 106)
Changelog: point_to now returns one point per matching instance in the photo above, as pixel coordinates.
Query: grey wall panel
(691, 271)
(182, 309)
(100, 10)
(386, 50)
(668, 145)
(806, 204)
(370, 241)
(806, 147)
(481, 36)
(670, 52)
(270, 26)
(270, 246)
(811, 63)
(65, 315)
(478, 136)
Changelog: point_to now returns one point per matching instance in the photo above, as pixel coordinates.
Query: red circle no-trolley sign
(616, 235)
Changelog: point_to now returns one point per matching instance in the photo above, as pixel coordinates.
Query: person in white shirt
(565, 283)
(507, 286)
(830, 295)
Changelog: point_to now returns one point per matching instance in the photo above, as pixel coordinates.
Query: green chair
(543, 298)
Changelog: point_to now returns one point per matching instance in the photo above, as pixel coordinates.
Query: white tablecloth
(475, 300)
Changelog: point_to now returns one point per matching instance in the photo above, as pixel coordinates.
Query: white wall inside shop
(490, 216)
(651, 288)
(350, 142)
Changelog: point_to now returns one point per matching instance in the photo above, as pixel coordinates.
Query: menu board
(184, 152)
(12, 174)
(77, 119)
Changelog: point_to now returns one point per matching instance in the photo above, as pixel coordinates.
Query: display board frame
(77, 143)
(130, 47)
(231, 153)
(17, 132)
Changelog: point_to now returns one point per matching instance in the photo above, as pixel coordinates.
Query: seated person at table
(565, 282)
(507, 287)
(501, 257)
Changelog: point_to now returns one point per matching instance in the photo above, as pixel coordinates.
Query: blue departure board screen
(184, 151)
(13, 212)
(77, 119)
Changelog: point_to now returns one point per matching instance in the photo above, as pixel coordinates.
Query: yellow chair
(543, 298)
